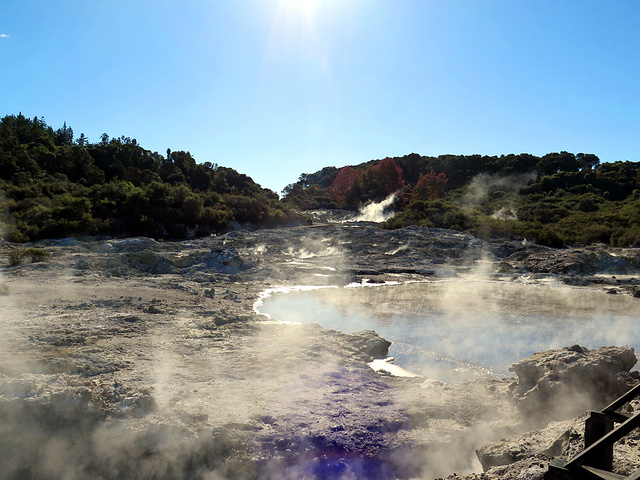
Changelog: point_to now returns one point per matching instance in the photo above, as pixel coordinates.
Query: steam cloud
(484, 185)
(377, 212)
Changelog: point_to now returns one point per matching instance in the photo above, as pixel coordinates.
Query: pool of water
(461, 329)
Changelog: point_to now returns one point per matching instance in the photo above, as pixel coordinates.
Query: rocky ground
(140, 359)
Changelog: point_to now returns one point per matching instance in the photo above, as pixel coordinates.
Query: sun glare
(295, 26)
(301, 33)
(307, 8)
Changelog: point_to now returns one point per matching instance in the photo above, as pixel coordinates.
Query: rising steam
(485, 186)
(377, 212)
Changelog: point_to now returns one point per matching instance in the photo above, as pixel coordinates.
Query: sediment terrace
(140, 359)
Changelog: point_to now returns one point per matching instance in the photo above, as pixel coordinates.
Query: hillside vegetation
(557, 199)
(55, 185)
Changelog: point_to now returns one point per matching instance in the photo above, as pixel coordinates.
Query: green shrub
(549, 238)
(626, 237)
(17, 255)
(37, 254)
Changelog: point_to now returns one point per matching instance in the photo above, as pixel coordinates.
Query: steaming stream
(455, 330)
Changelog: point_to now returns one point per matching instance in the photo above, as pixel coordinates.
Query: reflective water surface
(459, 329)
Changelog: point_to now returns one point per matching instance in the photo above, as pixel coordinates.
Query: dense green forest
(557, 199)
(54, 185)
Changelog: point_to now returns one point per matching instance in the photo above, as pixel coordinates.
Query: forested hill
(557, 199)
(55, 185)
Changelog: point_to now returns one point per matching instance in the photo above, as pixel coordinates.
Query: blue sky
(275, 88)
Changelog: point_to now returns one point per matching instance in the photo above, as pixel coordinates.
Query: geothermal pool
(456, 330)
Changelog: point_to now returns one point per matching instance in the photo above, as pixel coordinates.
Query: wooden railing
(596, 460)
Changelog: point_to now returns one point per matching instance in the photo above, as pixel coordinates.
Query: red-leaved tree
(430, 186)
(345, 185)
(388, 175)
(381, 180)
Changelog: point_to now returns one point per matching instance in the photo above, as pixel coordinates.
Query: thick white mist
(377, 212)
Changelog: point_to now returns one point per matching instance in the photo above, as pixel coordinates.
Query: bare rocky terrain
(141, 359)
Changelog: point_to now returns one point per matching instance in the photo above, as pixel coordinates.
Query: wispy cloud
(4, 35)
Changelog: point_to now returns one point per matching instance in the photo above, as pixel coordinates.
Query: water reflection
(456, 330)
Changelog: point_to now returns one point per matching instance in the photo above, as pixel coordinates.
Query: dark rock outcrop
(575, 261)
(560, 262)
(370, 343)
(225, 260)
(148, 261)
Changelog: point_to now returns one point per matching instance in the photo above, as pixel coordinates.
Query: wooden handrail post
(597, 426)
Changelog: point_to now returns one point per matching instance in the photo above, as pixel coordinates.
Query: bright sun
(304, 4)
(306, 7)
(298, 30)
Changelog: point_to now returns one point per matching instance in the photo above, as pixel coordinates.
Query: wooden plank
(557, 472)
(617, 417)
(627, 397)
(635, 475)
(596, 473)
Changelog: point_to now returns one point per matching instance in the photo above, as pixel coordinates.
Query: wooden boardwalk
(600, 433)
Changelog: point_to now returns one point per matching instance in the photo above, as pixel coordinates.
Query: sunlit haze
(275, 88)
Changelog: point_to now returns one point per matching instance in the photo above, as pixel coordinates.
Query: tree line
(54, 185)
(557, 199)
